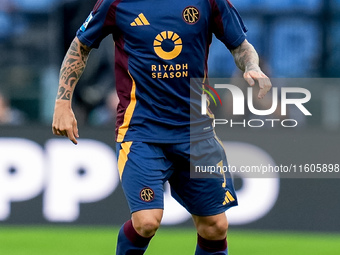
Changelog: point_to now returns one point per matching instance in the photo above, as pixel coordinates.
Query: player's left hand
(255, 74)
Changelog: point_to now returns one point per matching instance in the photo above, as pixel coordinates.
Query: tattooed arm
(247, 60)
(64, 121)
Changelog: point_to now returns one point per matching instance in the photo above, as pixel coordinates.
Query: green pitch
(101, 241)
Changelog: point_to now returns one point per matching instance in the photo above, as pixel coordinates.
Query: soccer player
(160, 133)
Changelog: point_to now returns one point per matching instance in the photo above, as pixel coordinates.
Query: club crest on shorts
(147, 194)
(191, 15)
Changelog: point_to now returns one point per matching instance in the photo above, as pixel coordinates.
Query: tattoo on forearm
(246, 57)
(72, 68)
(64, 94)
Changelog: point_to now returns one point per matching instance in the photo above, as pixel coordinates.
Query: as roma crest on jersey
(191, 15)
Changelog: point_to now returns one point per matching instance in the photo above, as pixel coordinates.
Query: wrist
(252, 67)
(62, 103)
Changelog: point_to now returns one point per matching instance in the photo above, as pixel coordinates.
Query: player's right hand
(64, 121)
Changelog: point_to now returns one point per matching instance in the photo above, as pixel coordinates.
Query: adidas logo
(140, 21)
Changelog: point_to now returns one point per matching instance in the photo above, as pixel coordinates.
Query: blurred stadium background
(52, 207)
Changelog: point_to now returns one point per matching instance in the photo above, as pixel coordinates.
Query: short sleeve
(98, 24)
(227, 23)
